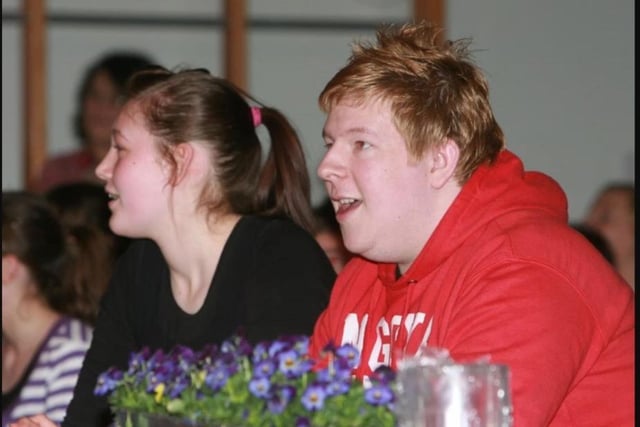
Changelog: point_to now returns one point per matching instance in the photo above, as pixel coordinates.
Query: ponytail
(193, 105)
(283, 186)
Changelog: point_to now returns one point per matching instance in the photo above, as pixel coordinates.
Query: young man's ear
(444, 162)
(183, 156)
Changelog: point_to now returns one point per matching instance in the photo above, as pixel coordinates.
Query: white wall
(561, 72)
(561, 75)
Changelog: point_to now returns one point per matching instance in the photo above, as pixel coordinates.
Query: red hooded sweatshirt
(502, 275)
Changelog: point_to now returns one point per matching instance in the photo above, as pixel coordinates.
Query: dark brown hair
(119, 67)
(192, 105)
(84, 214)
(62, 264)
(31, 232)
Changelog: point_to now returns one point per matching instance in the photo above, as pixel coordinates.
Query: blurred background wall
(561, 72)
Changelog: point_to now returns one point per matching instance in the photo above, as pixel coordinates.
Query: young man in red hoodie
(458, 246)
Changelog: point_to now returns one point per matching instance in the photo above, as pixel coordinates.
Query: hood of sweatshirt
(502, 191)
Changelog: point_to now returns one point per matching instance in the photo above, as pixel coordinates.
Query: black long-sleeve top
(272, 279)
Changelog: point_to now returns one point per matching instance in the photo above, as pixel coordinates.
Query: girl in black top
(224, 240)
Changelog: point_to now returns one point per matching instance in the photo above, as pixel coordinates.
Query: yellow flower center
(159, 392)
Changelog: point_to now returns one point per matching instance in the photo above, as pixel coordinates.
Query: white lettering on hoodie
(386, 333)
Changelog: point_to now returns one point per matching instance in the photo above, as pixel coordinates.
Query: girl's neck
(23, 338)
(31, 326)
(193, 257)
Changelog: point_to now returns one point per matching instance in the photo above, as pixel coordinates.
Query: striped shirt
(49, 386)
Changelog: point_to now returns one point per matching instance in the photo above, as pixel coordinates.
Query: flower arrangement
(271, 384)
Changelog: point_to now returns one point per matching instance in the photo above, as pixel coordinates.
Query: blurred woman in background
(99, 100)
(82, 210)
(43, 340)
(612, 214)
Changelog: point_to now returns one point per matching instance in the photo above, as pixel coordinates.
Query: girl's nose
(105, 167)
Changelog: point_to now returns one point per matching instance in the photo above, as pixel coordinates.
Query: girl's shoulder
(72, 329)
(70, 336)
(140, 253)
(268, 227)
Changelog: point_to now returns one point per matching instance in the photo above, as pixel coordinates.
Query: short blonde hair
(434, 89)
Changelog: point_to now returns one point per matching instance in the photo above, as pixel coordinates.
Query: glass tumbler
(452, 394)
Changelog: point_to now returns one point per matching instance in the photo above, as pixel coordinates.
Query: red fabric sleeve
(529, 317)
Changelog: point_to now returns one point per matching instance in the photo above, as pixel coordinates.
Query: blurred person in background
(612, 214)
(82, 208)
(596, 239)
(328, 235)
(98, 103)
(43, 339)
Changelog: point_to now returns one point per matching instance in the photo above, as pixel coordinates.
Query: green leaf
(175, 405)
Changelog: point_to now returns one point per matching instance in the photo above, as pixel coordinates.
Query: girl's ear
(444, 161)
(183, 156)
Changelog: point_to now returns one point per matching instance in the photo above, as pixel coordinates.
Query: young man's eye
(362, 145)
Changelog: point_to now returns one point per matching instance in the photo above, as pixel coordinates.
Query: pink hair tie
(256, 113)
